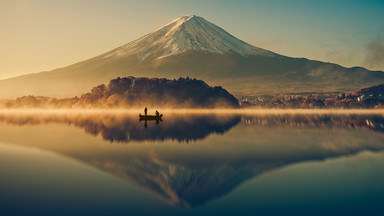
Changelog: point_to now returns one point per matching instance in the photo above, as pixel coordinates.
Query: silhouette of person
(157, 113)
(145, 111)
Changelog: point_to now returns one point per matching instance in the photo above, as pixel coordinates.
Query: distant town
(372, 97)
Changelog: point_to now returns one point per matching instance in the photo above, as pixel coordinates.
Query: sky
(41, 35)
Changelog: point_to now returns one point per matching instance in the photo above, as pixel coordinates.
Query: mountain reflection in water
(190, 175)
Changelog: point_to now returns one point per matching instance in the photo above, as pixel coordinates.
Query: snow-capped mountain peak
(184, 34)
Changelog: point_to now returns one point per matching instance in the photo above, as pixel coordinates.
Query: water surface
(191, 163)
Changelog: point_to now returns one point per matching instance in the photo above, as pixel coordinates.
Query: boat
(151, 117)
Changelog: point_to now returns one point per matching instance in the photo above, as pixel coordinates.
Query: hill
(155, 92)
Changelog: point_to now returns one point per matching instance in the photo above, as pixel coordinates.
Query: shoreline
(244, 111)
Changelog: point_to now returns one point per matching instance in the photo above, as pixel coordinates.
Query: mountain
(192, 46)
(189, 33)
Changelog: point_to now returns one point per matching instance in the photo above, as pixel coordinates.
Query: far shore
(217, 111)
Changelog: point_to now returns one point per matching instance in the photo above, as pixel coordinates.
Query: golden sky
(39, 35)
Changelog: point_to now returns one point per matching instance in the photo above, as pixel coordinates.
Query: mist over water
(188, 124)
(167, 110)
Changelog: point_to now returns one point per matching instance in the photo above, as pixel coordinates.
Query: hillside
(192, 46)
(155, 92)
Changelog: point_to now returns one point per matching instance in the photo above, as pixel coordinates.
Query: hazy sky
(38, 35)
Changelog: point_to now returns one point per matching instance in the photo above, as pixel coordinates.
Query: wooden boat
(150, 117)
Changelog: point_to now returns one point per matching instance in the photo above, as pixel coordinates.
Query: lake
(192, 163)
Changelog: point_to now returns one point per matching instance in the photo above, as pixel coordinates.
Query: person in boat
(145, 111)
(157, 113)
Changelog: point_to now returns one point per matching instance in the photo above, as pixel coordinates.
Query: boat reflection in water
(226, 150)
(157, 118)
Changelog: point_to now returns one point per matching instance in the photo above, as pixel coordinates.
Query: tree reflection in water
(126, 127)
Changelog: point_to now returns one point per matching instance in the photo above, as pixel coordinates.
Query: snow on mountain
(184, 34)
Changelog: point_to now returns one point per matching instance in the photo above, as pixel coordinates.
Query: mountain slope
(183, 34)
(192, 46)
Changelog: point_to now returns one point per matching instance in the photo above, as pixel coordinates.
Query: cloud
(342, 50)
(375, 54)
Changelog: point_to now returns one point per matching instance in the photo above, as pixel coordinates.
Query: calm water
(191, 164)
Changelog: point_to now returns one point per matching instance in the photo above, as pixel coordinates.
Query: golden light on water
(200, 111)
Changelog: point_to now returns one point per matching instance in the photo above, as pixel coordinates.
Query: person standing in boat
(145, 111)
